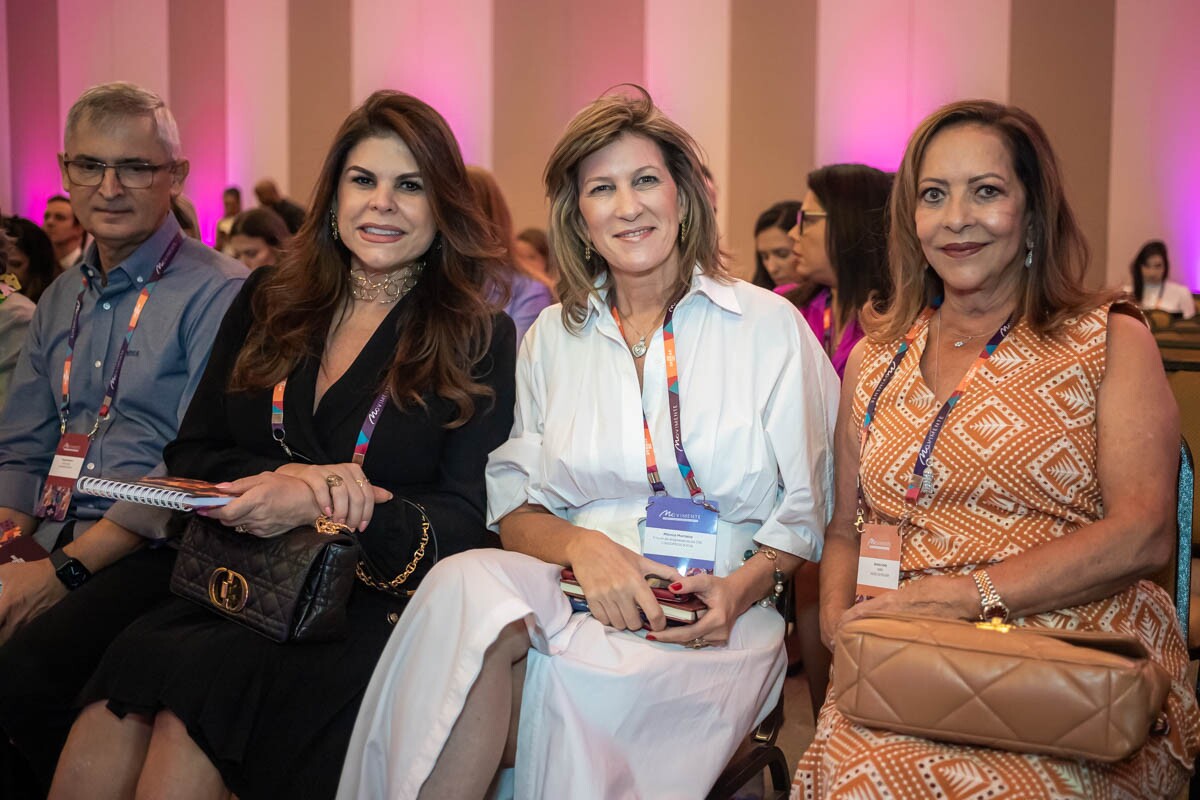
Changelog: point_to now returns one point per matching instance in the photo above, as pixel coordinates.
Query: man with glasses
(113, 355)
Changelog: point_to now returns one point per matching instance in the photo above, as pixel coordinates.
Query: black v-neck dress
(276, 718)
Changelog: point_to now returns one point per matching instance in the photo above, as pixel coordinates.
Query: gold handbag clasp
(228, 590)
(994, 624)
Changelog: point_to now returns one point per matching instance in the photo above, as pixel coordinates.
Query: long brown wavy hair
(1049, 293)
(598, 125)
(445, 325)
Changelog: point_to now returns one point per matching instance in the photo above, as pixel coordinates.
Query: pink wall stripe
(32, 34)
(197, 80)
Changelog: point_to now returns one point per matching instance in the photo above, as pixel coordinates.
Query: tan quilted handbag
(1076, 694)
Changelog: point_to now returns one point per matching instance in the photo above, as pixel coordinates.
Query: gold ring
(361, 481)
(332, 480)
(699, 643)
(241, 529)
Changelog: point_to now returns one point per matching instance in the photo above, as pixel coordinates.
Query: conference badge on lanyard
(680, 532)
(73, 447)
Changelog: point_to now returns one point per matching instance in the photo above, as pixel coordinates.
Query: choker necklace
(386, 289)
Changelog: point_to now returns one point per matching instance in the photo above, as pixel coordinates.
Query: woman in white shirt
(1150, 285)
(490, 666)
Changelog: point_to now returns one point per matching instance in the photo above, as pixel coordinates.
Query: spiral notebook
(180, 494)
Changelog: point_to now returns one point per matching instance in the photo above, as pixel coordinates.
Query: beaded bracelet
(770, 554)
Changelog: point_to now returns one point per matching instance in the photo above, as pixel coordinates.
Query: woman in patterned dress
(1053, 475)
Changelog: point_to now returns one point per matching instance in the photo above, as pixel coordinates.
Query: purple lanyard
(917, 482)
(64, 410)
(364, 434)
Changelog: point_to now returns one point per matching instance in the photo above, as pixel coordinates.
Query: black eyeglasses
(132, 175)
(810, 216)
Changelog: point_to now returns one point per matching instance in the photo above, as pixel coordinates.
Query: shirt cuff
(20, 490)
(798, 541)
(146, 521)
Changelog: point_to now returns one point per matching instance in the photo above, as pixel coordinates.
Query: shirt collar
(143, 260)
(720, 293)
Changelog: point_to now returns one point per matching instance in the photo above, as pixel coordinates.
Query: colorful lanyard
(685, 468)
(64, 410)
(364, 434)
(916, 483)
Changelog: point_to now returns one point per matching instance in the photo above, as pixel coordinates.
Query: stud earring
(333, 228)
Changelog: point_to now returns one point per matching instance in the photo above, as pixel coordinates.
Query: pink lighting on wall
(1155, 156)
(33, 104)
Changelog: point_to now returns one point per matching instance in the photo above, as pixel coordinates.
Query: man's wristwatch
(991, 606)
(72, 573)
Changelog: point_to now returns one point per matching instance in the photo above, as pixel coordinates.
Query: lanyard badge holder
(880, 544)
(72, 449)
(680, 531)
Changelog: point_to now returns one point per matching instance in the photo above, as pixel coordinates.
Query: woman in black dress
(384, 299)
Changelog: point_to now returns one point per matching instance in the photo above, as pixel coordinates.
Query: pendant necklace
(639, 347)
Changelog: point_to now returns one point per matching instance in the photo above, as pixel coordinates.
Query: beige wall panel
(1062, 73)
(319, 87)
(257, 97)
(551, 59)
(772, 114)
(687, 73)
(1155, 128)
(438, 50)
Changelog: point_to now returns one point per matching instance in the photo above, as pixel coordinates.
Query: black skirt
(275, 719)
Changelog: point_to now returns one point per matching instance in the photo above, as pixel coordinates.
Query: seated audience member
(268, 195)
(257, 237)
(65, 231)
(128, 335)
(987, 256)
(30, 256)
(532, 250)
(841, 239)
(16, 310)
(389, 398)
(185, 214)
(775, 257)
(231, 200)
(528, 292)
(1150, 286)
(491, 638)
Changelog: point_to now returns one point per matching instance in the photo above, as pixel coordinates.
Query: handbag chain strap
(395, 583)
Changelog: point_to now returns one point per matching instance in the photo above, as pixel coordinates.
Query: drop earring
(683, 229)
(333, 228)
(587, 252)
(1029, 251)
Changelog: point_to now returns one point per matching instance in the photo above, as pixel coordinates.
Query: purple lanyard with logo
(364, 434)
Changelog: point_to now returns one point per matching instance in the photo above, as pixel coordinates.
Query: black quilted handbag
(290, 587)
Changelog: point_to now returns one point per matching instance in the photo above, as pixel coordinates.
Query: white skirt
(604, 713)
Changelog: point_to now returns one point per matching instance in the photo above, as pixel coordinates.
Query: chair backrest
(1183, 519)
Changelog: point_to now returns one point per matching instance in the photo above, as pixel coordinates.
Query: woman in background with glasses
(841, 239)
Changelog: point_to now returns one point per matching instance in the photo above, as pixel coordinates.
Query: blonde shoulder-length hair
(1052, 290)
(598, 125)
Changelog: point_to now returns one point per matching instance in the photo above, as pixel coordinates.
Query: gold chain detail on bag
(395, 583)
(327, 526)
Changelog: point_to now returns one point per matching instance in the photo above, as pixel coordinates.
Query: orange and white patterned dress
(1014, 468)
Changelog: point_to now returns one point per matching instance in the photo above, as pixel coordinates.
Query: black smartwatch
(72, 573)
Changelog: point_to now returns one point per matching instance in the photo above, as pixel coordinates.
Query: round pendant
(638, 349)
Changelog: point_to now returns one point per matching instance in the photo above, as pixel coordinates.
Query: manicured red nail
(675, 587)
(651, 638)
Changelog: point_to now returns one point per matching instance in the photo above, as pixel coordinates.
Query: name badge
(64, 469)
(681, 533)
(878, 560)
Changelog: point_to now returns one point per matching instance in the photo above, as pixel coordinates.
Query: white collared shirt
(758, 403)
